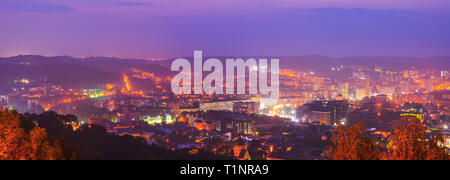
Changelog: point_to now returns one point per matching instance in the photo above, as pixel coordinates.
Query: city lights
(235, 80)
(154, 120)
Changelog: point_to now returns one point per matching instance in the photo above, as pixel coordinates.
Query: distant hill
(72, 72)
(78, 73)
(319, 61)
(322, 64)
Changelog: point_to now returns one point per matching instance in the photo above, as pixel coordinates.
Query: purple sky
(171, 28)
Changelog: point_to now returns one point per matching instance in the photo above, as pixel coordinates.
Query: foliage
(17, 144)
(409, 141)
(352, 144)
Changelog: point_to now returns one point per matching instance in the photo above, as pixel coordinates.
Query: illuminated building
(323, 112)
(339, 97)
(323, 118)
(38, 90)
(344, 90)
(387, 90)
(412, 98)
(246, 107)
(378, 69)
(416, 115)
(364, 88)
(153, 120)
(239, 125)
(406, 74)
(3, 100)
(287, 111)
(93, 93)
(180, 111)
(217, 106)
(362, 93)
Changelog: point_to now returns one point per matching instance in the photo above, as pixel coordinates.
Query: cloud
(14, 6)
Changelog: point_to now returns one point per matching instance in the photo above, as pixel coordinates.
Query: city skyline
(320, 100)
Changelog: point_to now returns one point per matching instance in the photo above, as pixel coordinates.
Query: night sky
(171, 28)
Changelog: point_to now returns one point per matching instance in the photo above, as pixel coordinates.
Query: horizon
(211, 56)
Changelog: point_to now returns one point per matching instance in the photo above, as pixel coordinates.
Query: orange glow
(46, 106)
(109, 86)
(405, 74)
(76, 127)
(290, 73)
(67, 101)
(137, 92)
(288, 149)
(202, 126)
(441, 87)
(127, 82)
(145, 75)
(182, 119)
(383, 133)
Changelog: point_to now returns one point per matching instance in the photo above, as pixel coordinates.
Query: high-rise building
(343, 90)
(364, 88)
(364, 83)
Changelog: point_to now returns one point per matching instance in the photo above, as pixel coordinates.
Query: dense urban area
(108, 108)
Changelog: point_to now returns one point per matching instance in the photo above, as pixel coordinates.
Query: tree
(17, 144)
(352, 144)
(410, 142)
(41, 147)
(12, 138)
